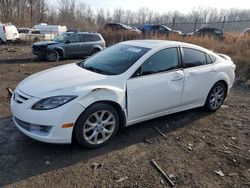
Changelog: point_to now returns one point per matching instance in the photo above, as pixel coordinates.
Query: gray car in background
(69, 44)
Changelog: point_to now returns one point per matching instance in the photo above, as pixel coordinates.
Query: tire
(216, 97)
(97, 126)
(1, 41)
(94, 51)
(53, 56)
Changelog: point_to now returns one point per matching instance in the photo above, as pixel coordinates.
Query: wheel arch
(115, 105)
(97, 47)
(114, 97)
(224, 83)
(60, 51)
(224, 79)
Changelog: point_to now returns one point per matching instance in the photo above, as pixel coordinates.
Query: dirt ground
(200, 149)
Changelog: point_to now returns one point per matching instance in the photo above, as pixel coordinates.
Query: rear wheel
(216, 97)
(53, 56)
(1, 41)
(97, 125)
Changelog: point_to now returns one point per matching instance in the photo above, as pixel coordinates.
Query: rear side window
(192, 58)
(96, 38)
(161, 61)
(89, 38)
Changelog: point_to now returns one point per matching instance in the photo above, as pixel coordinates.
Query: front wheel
(216, 97)
(53, 56)
(97, 126)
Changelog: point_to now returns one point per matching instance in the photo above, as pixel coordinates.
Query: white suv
(8, 32)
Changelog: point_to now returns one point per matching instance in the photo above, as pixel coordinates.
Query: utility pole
(195, 24)
(173, 23)
(223, 23)
(31, 11)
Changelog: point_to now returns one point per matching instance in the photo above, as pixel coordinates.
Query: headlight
(52, 102)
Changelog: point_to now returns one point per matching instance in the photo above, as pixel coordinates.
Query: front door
(73, 46)
(156, 87)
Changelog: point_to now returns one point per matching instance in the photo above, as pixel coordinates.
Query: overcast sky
(161, 6)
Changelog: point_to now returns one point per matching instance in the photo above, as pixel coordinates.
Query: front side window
(61, 38)
(74, 38)
(161, 61)
(192, 57)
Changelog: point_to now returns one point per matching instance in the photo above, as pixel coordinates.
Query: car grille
(22, 124)
(42, 130)
(39, 48)
(20, 97)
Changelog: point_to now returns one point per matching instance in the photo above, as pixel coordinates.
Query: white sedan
(127, 83)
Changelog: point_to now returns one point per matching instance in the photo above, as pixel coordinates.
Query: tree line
(76, 14)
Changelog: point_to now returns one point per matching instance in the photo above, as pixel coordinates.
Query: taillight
(4, 30)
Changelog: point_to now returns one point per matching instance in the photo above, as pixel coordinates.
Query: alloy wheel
(217, 97)
(99, 127)
(53, 56)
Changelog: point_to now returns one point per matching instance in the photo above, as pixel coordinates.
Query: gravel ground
(200, 149)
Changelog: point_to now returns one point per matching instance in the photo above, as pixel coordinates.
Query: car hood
(44, 43)
(58, 78)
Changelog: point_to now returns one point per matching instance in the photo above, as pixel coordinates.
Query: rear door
(199, 72)
(156, 86)
(73, 46)
(87, 43)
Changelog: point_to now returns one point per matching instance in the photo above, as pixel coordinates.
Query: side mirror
(67, 41)
(137, 73)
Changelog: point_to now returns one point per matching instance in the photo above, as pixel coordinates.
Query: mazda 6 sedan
(127, 83)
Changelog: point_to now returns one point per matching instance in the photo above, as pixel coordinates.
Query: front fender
(104, 94)
(59, 49)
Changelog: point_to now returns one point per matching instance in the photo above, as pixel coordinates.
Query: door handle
(212, 70)
(176, 78)
(191, 72)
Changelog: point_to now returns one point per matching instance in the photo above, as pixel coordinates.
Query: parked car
(69, 44)
(50, 29)
(127, 83)
(33, 35)
(8, 32)
(159, 29)
(121, 27)
(246, 32)
(207, 31)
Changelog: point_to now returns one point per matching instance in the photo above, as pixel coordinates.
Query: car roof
(156, 44)
(81, 32)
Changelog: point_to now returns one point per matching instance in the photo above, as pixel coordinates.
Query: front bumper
(44, 125)
(39, 50)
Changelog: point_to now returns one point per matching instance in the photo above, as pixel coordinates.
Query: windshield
(61, 38)
(114, 60)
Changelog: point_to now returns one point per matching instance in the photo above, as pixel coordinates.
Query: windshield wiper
(94, 69)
